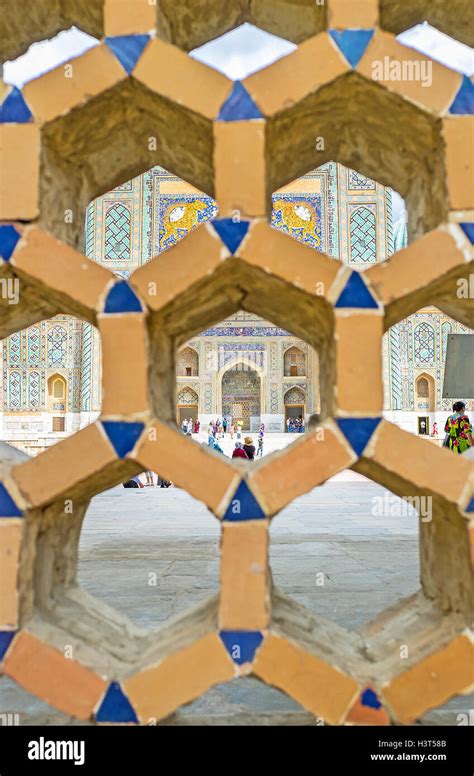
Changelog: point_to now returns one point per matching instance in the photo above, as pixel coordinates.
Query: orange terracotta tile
(239, 162)
(10, 542)
(364, 714)
(185, 463)
(244, 599)
(416, 266)
(42, 257)
(62, 683)
(315, 62)
(167, 70)
(432, 681)
(458, 133)
(159, 691)
(168, 275)
(124, 380)
(55, 93)
(353, 14)
(317, 686)
(280, 255)
(129, 17)
(316, 457)
(425, 465)
(64, 465)
(359, 378)
(19, 163)
(416, 77)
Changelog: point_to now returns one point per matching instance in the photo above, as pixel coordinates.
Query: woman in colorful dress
(458, 429)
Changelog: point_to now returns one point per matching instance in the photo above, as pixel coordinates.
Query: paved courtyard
(366, 563)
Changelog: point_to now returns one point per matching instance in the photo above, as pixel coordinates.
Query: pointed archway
(241, 388)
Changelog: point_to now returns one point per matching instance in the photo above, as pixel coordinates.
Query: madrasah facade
(244, 367)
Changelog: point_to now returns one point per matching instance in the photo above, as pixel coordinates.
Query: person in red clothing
(239, 451)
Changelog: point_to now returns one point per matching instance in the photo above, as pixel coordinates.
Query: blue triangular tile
(239, 106)
(122, 299)
(116, 707)
(241, 645)
(468, 230)
(352, 43)
(8, 508)
(128, 49)
(122, 435)
(14, 109)
(6, 638)
(356, 294)
(470, 506)
(358, 431)
(243, 505)
(463, 103)
(8, 240)
(370, 698)
(231, 232)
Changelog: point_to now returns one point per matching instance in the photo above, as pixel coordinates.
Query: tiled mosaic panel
(241, 395)
(294, 357)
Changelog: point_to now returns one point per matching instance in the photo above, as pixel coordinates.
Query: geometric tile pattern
(363, 235)
(117, 232)
(250, 627)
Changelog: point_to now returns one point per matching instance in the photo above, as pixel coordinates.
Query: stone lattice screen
(138, 100)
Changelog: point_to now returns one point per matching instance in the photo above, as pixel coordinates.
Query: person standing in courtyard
(216, 446)
(249, 448)
(231, 429)
(260, 447)
(224, 425)
(458, 429)
(239, 451)
(149, 478)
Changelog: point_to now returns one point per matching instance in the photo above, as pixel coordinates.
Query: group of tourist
(295, 425)
(190, 426)
(245, 449)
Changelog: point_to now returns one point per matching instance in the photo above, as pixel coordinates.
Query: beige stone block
(55, 93)
(458, 133)
(19, 167)
(318, 686)
(239, 162)
(59, 681)
(48, 260)
(129, 17)
(180, 678)
(206, 476)
(359, 386)
(174, 271)
(171, 73)
(10, 542)
(426, 466)
(433, 681)
(413, 268)
(405, 71)
(244, 600)
(276, 253)
(353, 14)
(316, 457)
(316, 62)
(124, 380)
(64, 465)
